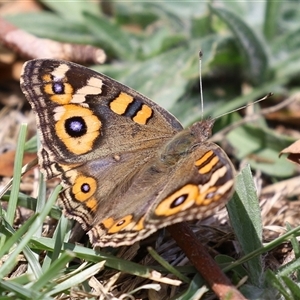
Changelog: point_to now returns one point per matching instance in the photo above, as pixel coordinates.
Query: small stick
(203, 262)
(30, 46)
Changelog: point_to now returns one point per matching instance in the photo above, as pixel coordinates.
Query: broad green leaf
(245, 218)
(261, 148)
(51, 26)
(252, 47)
(111, 36)
(72, 11)
(271, 18)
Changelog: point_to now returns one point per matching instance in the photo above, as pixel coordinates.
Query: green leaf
(76, 278)
(167, 266)
(271, 19)
(293, 287)
(251, 46)
(30, 203)
(163, 39)
(111, 36)
(277, 283)
(286, 45)
(22, 292)
(224, 260)
(73, 10)
(196, 289)
(50, 26)
(289, 268)
(53, 271)
(97, 256)
(17, 175)
(245, 218)
(16, 238)
(261, 147)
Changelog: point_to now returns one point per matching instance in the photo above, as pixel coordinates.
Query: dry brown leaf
(293, 152)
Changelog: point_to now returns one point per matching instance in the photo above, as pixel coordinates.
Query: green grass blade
(15, 236)
(293, 286)
(17, 176)
(167, 266)
(76, 279)
(96, 256)
(20, 292)
(54, 270)
(197, 288)
(275, 282)
(59, 237)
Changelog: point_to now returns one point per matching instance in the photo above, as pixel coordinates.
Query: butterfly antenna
(242, 107)
(200, 83)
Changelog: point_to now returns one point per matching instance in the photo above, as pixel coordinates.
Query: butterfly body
(127, 166)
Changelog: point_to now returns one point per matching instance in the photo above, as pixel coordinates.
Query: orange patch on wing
(204, 158)
(140, 224)
(120, 104)
(47, 78)
(77, 189)
(143, 115)
(107, 223)
(120, 224)
(92, 204)
(208, 167)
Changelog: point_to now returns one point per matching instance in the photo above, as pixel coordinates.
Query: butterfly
(127, 166)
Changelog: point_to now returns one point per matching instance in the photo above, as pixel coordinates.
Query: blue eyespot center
(75, 127)
(58, 88)
(178, 201)
(85, 188)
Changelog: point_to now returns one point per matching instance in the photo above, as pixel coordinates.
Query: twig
(203, 262)
(30, 46)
